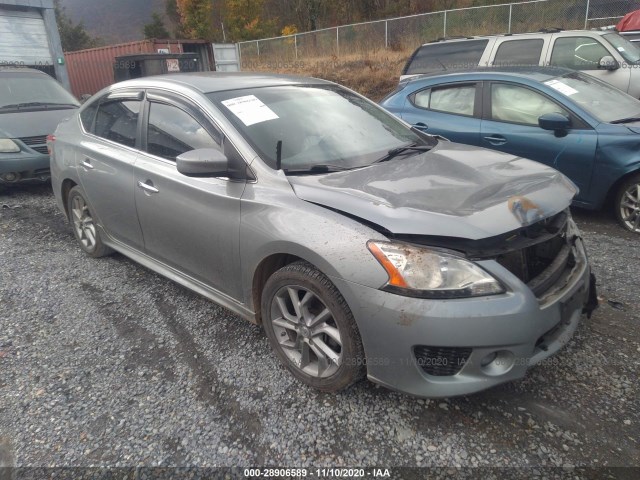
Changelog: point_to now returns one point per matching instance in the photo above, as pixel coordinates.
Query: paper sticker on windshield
(561, 87)
(621, 49)
(250, 110)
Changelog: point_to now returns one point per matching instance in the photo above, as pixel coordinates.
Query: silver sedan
(362, 246)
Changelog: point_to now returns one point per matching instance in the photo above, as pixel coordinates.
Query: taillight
(50, 140)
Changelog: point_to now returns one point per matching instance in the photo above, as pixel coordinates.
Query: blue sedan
(573, 122)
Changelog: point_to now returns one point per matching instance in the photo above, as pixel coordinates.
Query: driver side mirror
(203, 162)
(556, 122)
(608, 63)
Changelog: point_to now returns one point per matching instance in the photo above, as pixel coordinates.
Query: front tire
(311, 328)
(627, 204)
(84, 226)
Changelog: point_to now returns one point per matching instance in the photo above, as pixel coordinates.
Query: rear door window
(446, 56)
(117, 120)
(519, 52)
(578, 53)
(454, 99)
(87, 116)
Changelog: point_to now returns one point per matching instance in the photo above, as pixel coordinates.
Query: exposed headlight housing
(8, 146)
(428, 273)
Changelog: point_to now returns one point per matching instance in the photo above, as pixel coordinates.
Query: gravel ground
(104, 363)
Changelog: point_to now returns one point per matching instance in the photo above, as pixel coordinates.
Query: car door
(189, 224)
(510, 124)
(105, 161)
(451, 110)
(584, 53)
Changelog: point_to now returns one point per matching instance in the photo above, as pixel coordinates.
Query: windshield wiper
(394, 152)
(38, 104)
(626, 120)
(321, 168)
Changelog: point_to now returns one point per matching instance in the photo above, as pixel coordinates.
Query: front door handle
(421, 126)
(87, 164)
(148, 188)
(496, 140)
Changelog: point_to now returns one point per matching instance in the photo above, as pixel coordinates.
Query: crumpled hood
(454, 190)
(32, 124)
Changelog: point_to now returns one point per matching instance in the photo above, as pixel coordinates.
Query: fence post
(337, 41)
(445, 25)
(295, 43)
(258, 46)
(586, 16)
(510, 15)
(386, 34)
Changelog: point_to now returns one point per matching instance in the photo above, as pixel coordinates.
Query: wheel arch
(267, 267)
(65, 188)
(609, 201)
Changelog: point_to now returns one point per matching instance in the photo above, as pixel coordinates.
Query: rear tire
(627, 204)
(311, 328)
(84, 227)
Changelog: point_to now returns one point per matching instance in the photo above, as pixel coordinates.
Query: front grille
(42, 150)
(441, 361)
(529, 262)
(540, 265)
(39, 143)
(40, 140)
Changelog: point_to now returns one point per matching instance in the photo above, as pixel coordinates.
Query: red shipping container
(91, 70)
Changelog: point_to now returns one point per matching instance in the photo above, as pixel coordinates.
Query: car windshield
(21, 90)
(604, 102)
(629, 51)
(314, 126)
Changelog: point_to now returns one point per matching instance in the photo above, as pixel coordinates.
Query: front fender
(334, 243)
(618, 155)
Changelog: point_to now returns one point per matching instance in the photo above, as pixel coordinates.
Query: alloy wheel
(630, 207)
(306, 331)
(83, 222)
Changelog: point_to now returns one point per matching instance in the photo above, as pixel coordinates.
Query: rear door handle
(421, 126)
(87, 164)
(148, 188)
(496, 140)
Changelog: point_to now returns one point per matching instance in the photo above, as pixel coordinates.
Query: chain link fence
(406, 33)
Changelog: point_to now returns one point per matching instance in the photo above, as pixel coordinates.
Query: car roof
(551, 31)
(533, 72)
(21, 70)
(209, 82)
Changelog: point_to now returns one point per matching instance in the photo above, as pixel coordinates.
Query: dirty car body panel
(493, 212)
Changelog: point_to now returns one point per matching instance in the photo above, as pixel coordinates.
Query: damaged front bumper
(443, 348)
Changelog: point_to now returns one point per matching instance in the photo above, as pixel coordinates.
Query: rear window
(519, 52)
(446, 56)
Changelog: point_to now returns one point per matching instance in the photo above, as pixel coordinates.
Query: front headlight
(8, 146)
(428, 273)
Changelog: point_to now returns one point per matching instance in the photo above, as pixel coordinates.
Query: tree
(172, 13)
(156, 28)
(73, 36)
(244, 20)
(196, 18)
